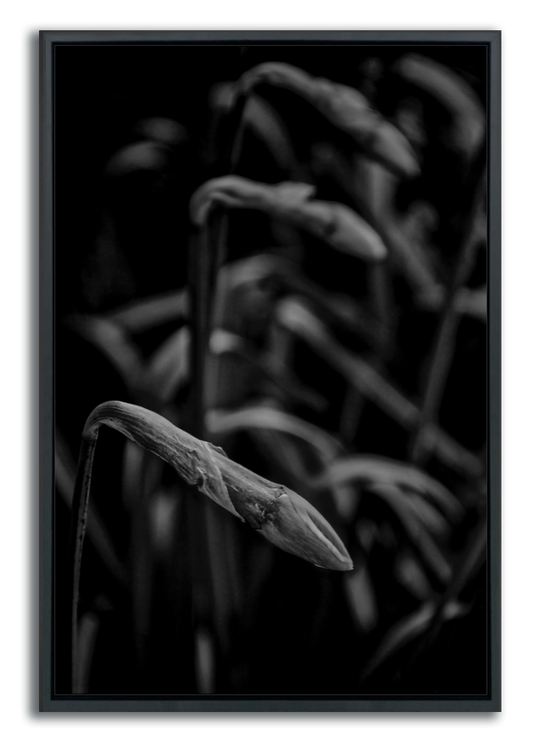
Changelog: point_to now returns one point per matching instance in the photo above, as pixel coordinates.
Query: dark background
(101, 93)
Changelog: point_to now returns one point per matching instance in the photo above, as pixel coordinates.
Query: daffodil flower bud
(276, 512)
(347, 109)
(335, 224)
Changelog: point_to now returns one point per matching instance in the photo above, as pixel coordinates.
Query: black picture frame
(37, 710)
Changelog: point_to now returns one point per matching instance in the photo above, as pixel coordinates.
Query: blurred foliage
(286, 256)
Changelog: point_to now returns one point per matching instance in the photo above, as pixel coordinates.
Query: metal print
(265, 363)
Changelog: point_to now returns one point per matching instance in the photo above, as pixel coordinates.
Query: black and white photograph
(271, 383)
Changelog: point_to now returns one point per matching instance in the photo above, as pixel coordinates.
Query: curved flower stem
(379, 277)
(80, 505)
(220, 221)
(238, 130)
(201, 294)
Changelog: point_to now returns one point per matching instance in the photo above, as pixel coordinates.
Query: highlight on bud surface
(347, 109)
(298, 528)
(335, 224)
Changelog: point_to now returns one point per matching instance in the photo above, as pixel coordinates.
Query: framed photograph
(270, 367)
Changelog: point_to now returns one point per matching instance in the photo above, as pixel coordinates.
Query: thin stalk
(383, 303)
(137, 486)
(365, 379)
(200, 308)
(202, 279)
(381, 287)
(214, 575)
(220, 219)
(65, 471)
(380, 279)
(80, 505)
(207, 258)
(444, 343)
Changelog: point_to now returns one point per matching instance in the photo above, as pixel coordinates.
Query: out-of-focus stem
(444, 343)
(237, 119)
(380, 286)
(383, 305)
(213, 571)
(202, 280)
(80, 505)
(220, 219)
(200, 310)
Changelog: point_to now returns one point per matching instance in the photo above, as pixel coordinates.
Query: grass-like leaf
(266, 366)
(409, 629)
(444, 342)
(151, 312)
(370, 469)
(468, 302)
(335, 224)
(411, 575)
(296, 317)
(270, 418)
(406, 234)
(246, 294)
(361, 598)
(162, 130)
(169, 366)
(246, 284)
(346, 108)
(144, 156)
(407, 509)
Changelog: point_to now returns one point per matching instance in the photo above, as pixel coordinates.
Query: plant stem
(238, 133)
(444, 343)
(222, 588)
(80, 505)
(208, 257)
(200, 311)
(65, 470)
(202, 282)
(220, 219)
(355, 400)
(382, 298)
